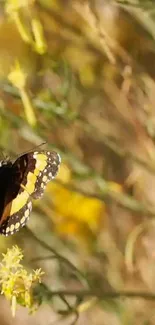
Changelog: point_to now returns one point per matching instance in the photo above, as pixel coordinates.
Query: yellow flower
(16, 282)
(76, 215)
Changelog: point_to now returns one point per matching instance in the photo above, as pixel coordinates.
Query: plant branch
(103, 295)
(109, 143)
(57, 255)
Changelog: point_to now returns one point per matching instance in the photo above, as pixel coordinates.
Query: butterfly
(20, 182)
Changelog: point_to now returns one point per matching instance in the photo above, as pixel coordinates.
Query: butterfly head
(5, 161)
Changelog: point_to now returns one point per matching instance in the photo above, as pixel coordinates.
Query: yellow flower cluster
(16, 283)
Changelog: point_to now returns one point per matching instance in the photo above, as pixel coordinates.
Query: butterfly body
(20, 182)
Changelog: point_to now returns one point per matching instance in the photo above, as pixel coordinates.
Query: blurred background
(80, 76)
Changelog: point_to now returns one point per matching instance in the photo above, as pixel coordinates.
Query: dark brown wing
(27, 179)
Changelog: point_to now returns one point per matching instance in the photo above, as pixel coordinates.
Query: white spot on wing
(26, 213)
(59, 158)
(30, 205)
(44, 178)
(42, 185)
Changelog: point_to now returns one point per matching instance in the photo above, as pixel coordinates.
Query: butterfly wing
(46, 169)
(14, 200)
(29, 175)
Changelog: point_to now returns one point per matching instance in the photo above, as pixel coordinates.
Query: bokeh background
(80, 76)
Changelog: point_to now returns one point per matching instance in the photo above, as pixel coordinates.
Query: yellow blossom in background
(115, 187)
(76, 216)
(76, 206)
(18, 77)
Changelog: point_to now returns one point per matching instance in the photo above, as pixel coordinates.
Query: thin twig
(82, 294)
(108, 142)
(43, 258)
(57, 255)
(125, 3)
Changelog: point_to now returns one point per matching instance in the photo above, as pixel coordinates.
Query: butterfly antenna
(32, 149)
(39, 145)
(4, 156)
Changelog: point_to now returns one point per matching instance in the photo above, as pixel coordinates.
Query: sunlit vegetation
(80, 76)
